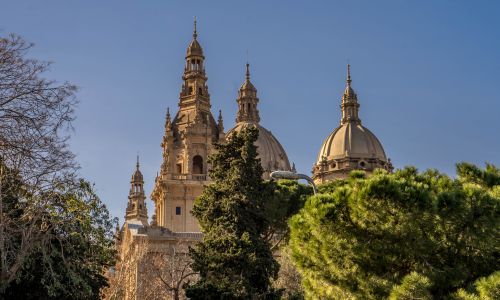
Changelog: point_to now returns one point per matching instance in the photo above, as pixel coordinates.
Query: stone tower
(271, 153)
(350, 146)
(136, 206)
(186, 145)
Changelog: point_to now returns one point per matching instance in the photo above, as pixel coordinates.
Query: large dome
(271, 153)
(351, 139)
(350, 146)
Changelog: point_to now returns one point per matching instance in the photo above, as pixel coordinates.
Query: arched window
(197, 165)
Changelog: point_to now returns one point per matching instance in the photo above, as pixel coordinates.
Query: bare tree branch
(35, 120)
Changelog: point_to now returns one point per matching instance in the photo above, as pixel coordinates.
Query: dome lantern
(271, 153)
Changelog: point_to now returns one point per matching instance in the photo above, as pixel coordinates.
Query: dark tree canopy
(406, 235)
(234, 260)
(78, 244)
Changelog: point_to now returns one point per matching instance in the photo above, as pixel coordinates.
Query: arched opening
(197, 165)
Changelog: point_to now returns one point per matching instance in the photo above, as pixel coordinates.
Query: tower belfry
(187, 142)
(349, 105)
(136, 206)
(194, 97)
(247, 101)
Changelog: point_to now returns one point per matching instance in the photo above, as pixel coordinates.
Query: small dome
(351, 140)
(248, 86)
(271, 153)
(137, 176)
(194, 49)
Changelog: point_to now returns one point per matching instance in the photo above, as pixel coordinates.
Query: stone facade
(188, 141)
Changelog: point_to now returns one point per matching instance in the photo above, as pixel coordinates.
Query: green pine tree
(406, 235)
(234, 260)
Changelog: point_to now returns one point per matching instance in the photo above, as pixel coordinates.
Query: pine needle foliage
(406, 235)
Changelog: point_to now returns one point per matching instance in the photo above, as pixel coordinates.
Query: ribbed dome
(248, 86)
(271, 153)
(350, 146)
(351, 140)
(194, 49)
(137, 176)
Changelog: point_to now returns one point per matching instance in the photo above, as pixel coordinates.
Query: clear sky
(427, 74)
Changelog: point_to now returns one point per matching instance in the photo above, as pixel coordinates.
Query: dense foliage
(287, 199)
(406, 235)
(71, 260)
(234, 260)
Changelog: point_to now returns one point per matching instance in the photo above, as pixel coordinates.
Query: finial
(348, 74)
(195, 34)
(168, 121)
(220, 122)
(248, 72)
(168, 115)
(137, 165)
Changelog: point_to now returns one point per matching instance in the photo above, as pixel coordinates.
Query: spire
(349, 75)
(247, 75)
(195, 34)
(168, 121)
(350, 105)
(137, 176)
(194, 48)
(247, 101)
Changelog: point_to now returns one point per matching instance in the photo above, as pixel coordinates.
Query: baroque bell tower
(136, 206)
(187, 142)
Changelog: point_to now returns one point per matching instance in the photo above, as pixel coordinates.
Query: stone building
(188, 140)
(350, 146)
(187, 143)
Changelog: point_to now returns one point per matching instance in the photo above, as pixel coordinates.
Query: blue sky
(427, 74)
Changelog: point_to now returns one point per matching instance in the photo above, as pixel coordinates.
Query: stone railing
(179, 176)
(202, 177)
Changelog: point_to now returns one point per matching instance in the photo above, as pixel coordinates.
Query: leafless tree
(151, 271)
(170, 269)
(35, 119)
